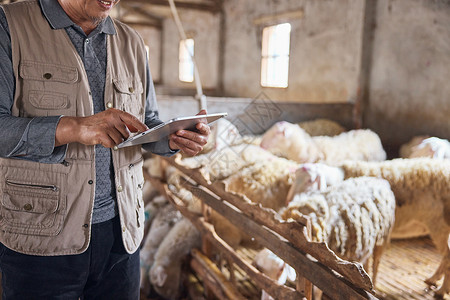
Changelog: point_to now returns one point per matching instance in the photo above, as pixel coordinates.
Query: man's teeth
(105, 2)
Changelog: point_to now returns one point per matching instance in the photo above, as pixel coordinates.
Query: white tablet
(164, 129)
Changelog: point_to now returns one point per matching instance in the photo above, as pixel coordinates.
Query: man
(73, 85)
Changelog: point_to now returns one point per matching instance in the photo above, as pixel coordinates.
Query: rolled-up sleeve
(25, 138)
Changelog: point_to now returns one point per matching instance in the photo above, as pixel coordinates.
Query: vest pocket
(32, 202)
(48, 89)
(128, 96)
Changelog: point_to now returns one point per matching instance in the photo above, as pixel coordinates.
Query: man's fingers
(107, 142)
(123, 129)
(193, 136)
(188, 146)
(116, 136)
(132, 122)
(202, 112)
(203, 128)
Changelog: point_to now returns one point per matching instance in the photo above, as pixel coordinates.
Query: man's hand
(190, 142)
(108, 128)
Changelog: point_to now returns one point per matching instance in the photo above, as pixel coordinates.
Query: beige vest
(46, 209)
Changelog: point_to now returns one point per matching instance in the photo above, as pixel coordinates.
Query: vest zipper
(34, 186)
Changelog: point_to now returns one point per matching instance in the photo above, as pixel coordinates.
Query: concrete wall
(325, 48)
(407, 70)
(203, 27)
(152, 38)
(409, 93)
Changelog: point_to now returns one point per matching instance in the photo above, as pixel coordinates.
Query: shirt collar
(58, 18)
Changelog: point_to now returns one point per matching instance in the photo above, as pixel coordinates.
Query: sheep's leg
(445, 288)
(444, 266)
(377, 252)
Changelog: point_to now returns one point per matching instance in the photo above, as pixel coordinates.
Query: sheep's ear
(291, 274)
(283, 276)
(160, 276)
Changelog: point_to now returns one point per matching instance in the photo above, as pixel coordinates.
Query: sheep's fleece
(352, 217)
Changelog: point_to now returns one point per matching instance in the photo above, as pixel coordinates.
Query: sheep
(354, 217)
(165, 273)
(223, 134)
(422, 191)
(321, 127)
(166, 218)
(217, 165)
(274, 267)
(433, 147)
(292, 142)
(406, 149)
(260, 175)
(313, 177)
(265, 182)
(155, 166)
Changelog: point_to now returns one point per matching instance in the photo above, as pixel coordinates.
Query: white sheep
(223, 134)
(321, 127)
(165, 273)
(354, 217)
(154, 166)
(432, 147)
(245, 169)
(314, 177)
(405, 150)
(163, 222)
(422, 190)
(217, 165)
(266, 182)
(275, 268)
(292, 142)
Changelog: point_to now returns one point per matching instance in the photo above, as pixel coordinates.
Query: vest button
(85, 225)
(47, 75)
(28, 207)
(115, 148)
(119, 188)
(124, 229)
(90, 182)
(131, 89)
(109, 105)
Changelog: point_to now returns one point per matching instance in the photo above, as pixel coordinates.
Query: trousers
(104, 271)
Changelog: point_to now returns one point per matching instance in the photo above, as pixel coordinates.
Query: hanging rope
(200, 96)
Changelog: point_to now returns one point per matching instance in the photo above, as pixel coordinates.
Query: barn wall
(409, 92)
(325, 48)
(203, 27)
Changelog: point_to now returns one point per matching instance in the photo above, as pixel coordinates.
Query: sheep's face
(278, 137)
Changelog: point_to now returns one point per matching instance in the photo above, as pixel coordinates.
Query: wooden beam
(280, 17)
(149, 24)
(211, 7)
(151, 19)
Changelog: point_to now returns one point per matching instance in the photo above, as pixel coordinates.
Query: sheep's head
(279, 138)
(166, 280)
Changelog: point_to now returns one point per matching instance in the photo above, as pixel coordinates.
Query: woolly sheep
(406, 149)
(321, 127)
(217, 165)
(354, 217)
(265, 182)
(165, 273)
(432, 147)
(166, 218)
(274, 267)
(422, 190)
(292, 142)
(314, 177)
(225, 134)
